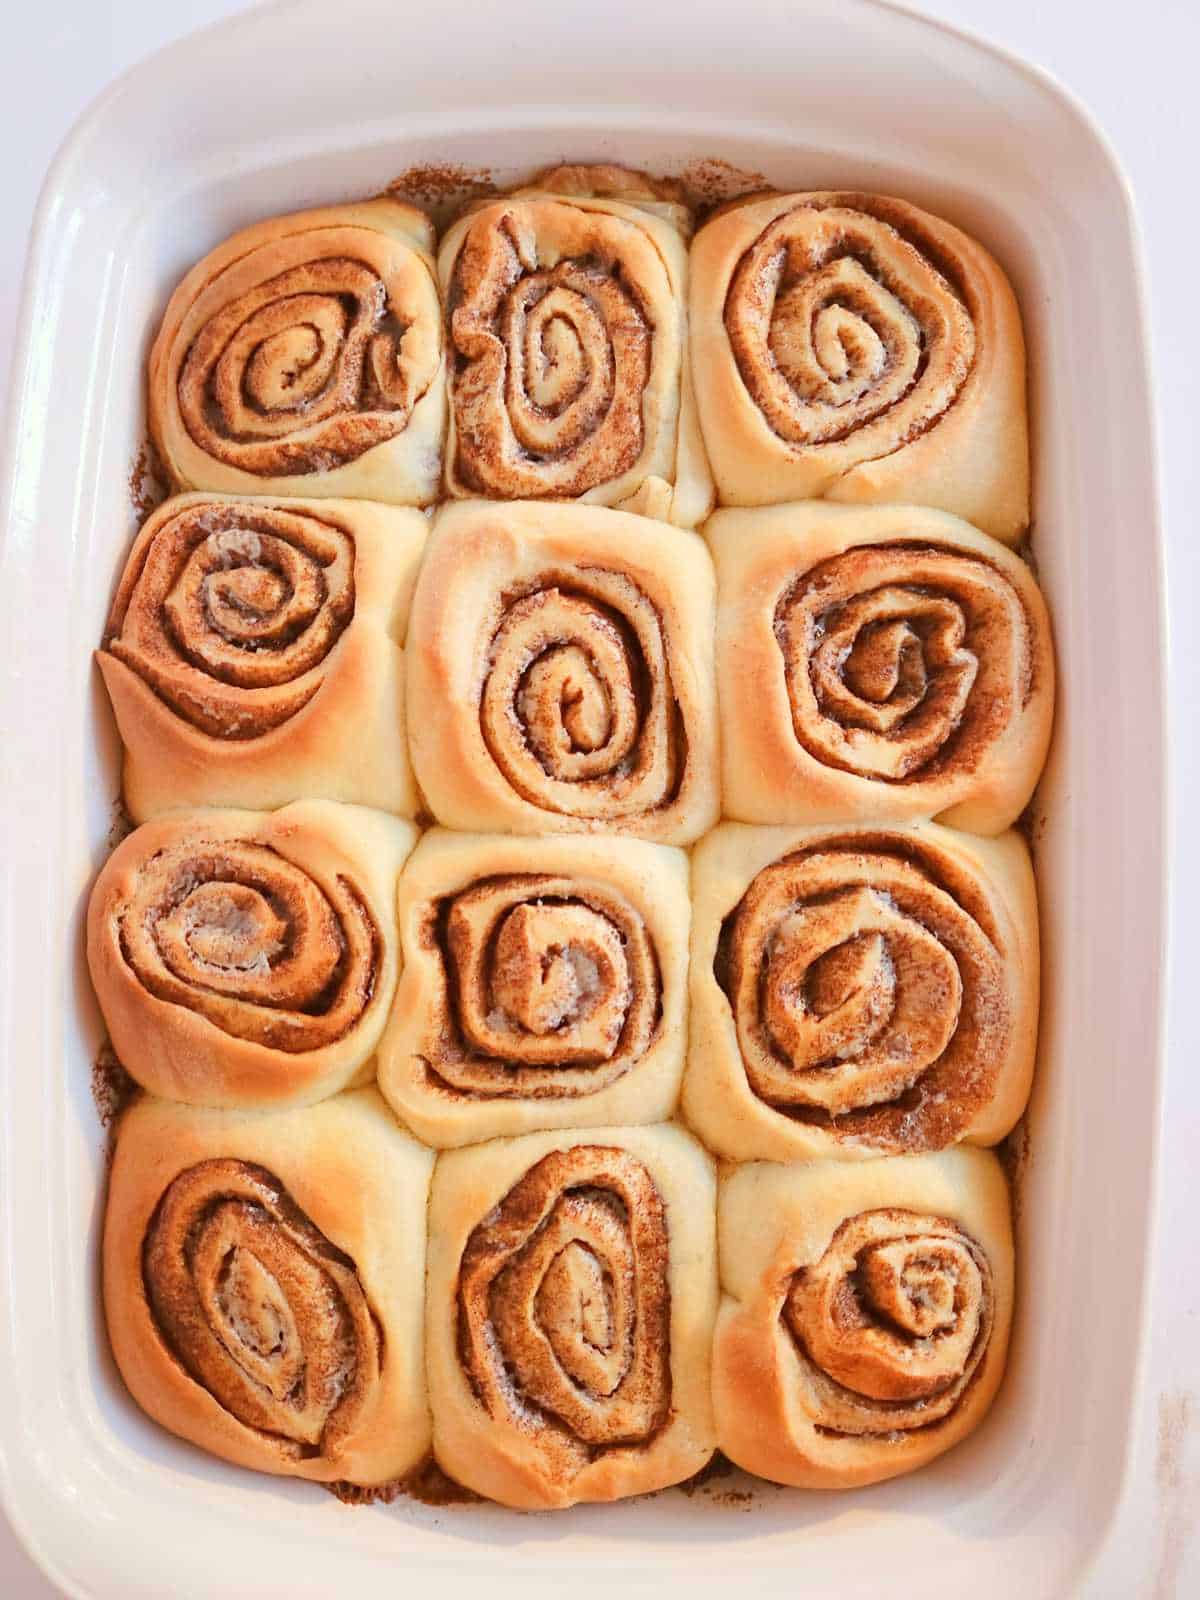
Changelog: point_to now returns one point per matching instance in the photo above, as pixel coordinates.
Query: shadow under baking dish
(306, 103)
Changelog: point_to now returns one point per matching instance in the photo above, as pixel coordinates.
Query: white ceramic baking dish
(306, 102)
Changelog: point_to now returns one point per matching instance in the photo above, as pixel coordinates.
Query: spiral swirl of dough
(846, 332)
(867, 990)
(903, 661)
(233, 611)
(578, 709)
(891, 1323)
(554, 311)
(564, 1305)
(259, 1307)
(549, 987)
(235, 932)
(297, 347)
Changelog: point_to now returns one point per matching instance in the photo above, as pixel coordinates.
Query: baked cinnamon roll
(572, 1291)
(859, 991)
(568, 346)
(560, 673)
(304, 356)
(248, 959)
(543, 985)
(263, 1284)
(254, 654)
(865, 1314)
(877, 663)
(852, 347)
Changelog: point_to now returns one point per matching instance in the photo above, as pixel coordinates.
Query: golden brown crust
(249, 959)
(859, 990)
(853, 347)
(883, 662)
(254, 654)
(606, 182)
(543, 985)
(865, 1314)
(572, 1290)
(560, 673)
(567, 325)
(263, 1284)
(304, 356)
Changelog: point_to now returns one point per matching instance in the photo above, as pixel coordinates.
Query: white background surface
(1135, 68)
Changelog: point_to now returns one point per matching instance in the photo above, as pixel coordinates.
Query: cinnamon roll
(247, 959)
(568, 347)
(859, 990)
(884, 662)
(254, 654)
(853, 347)
(543, 985)
(572, 1291)
(560, 673)
(263, 1284)
(304, 356)
(865, 1314)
